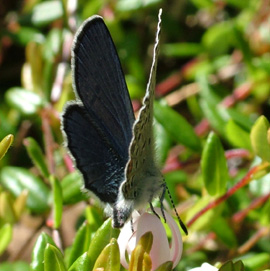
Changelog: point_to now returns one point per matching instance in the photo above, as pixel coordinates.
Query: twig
(244, 181)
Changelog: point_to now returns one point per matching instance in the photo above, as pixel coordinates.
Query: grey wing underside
(141, 148)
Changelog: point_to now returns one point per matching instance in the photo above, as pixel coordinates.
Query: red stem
(237, 153)
(48, 139)
(244, 181)
(239, 216)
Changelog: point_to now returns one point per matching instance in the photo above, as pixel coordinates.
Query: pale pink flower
(161, 250)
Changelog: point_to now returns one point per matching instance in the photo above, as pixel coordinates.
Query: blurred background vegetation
(213, 75)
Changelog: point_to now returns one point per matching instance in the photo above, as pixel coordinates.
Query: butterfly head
(122, 211)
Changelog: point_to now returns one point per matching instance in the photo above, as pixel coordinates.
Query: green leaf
(162, 143)
(24, 35)
(238, 4)
(240, 118)
(35, 153)
(214, 166)
(53, 43)
(172, 179)
(109, 258)
(238, 137)
(167, 266)
(94, 217)
(7, 211)
(57, 202)
(256, 261)
(230, 266)
(31, 101)
(80, 244)
(46, 12)
(53, 259)
(17, 179)
(214, 116)
(81, 264)
(215, 113)
(127, 5)
(177, 127)
(5, 144)
(265, 214)
(15, 266)
(218, 38)
(101, 238)
(205, 220)
(72, 188)
(259, 138)
(20, 203)
(37, 263)
(5, 237)
(203, 3)
(224, 232)
(181, 49)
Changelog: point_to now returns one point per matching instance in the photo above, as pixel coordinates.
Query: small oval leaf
(5, 237)
(72, 188)
(37, 263)
(31, 101)
(53, 259)
(109, 258)
(6, 208)
(81, 264)
(101, 238)
(167, 266)
(35, 153)
(214, 166)
(238, 137)
(259, 138)
(80, 244)
(177, 127)
(17, 179)
(5, 144)
(57, 202)
(46, 12)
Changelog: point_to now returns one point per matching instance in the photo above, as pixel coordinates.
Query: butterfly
(114, 152)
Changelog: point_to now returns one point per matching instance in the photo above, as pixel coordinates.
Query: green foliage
(214, 166)
(230, 266)
(211, 129)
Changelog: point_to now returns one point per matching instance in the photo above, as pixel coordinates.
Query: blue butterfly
(114, 152)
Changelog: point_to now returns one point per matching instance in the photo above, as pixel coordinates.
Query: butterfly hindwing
(101, 166)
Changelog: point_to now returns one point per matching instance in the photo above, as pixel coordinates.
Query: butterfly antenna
(183, 226)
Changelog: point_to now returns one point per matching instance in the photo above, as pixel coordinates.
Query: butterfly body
(113, 151)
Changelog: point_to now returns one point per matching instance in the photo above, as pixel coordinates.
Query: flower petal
(160, 251)
(177, 243)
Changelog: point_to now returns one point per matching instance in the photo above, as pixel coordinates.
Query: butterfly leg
(161, 198)
(153, 210)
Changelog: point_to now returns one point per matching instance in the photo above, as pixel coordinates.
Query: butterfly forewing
(141, 150)
(98, 126)
(100, 83)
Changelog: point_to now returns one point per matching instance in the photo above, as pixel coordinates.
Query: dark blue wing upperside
(100, 84)
(102, 167)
